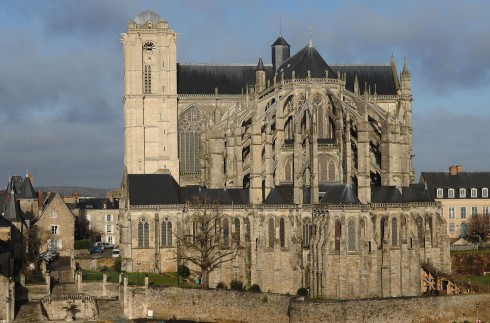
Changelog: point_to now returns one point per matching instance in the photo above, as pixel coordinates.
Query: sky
(61, 72)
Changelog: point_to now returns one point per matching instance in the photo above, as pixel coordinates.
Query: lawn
(164, 279)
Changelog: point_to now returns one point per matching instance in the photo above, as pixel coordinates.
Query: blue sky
(61, 71)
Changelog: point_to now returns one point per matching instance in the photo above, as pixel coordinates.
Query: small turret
(405, 79)
(280, 52)
(260, 77)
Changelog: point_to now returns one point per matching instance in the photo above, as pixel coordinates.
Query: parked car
(115, 253)
(95, 249)
(104, 245)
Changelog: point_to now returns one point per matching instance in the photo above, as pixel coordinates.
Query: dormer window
(474, 192)
(450, 193)
(484, 192)
(462, 192)
(440, 193)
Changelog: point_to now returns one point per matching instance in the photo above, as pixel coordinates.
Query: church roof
(11, 212)
(280, 195)
(205, 78)
(392, 194)
(307, 59)
(146, 15)
(339, 194)
(379, 75)
(280, 42)
(153, 189)
(218, 195)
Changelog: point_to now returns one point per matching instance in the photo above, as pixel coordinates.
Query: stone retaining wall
(231, 306)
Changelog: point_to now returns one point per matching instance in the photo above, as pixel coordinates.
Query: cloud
(442, 138)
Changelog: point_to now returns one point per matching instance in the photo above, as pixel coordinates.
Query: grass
(481, 279)
(164, 279)
(470, 252)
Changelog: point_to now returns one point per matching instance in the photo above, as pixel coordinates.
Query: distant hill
(69, 190)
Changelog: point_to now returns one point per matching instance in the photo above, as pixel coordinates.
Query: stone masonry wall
(418, 309)
(231, 306)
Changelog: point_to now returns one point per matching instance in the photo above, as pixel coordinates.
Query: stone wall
(418, 309)
(231, 306)
(86, 262)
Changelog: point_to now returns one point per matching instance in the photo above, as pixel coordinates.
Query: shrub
(117, 264)
(82, 244)
(302, 292)
(183, 271)
(265, 299)
(236, 284)
(221, 285)
(254, 288)
(103, 269)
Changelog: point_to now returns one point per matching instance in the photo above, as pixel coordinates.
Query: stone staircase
(29, 312)
(64, 289)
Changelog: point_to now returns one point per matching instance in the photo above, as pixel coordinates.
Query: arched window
(166, 232)
(247, 227)
(440, 193)
(394, 232)
(271, 233)
(307, 231)
(484, 192)
(147, 79)
(143, 233)
(289, 129)
(430, 231)
(192, 122)
(420, 230)
(338, 227)
(382, 228)
(237, 231)
(351, 228)
(226, 233)
(462, 192)
(326, 169)
(282, 233)
(288, 170)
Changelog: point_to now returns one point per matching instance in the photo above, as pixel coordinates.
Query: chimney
(454, 170)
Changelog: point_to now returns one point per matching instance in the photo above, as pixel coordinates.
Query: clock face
(149, 46)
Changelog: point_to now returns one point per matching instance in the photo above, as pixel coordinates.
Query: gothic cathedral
(311, 164)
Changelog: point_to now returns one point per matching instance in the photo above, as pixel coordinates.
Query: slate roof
(445, 180)
(280, 195)
(4, 222)
(280, 42)
(12, 211)
(26, 190)
(381, 75)
(307, 59)
(153, 189)
(339, 194)
(204, 78)
(391, 194)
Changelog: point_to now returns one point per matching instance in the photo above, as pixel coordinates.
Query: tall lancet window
(147, 79)
(143, 233)
(191, 123)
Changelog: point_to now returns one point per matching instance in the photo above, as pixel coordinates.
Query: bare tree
(36, 241)
(205, 240)
(479, 224)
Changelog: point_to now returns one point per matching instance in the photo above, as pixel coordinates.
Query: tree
(479, 224)
(205, 239)
(36, 240)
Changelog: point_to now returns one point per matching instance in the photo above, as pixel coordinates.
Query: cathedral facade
(310, 163)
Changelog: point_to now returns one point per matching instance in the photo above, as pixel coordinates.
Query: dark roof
(153, 189)
(280, 195)
(204, 78)
(218, 195)
(4, 222)
(12, 211)
(16, 183)
(392, 194)
(379, 75)
(280, 42)
(307, 59)
(26, 190)
(339, 194)
(96, 203)
(260, 65)
(466, 180)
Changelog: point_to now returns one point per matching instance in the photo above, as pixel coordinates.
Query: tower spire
(310, 44)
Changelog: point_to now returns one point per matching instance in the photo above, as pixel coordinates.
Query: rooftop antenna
(311, 43)
(280, 26)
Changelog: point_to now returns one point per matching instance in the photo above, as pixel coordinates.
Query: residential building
(99, 218)
(462, 195)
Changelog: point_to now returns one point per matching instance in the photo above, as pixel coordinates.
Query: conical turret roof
(307, 59)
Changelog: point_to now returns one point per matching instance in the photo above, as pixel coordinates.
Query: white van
(115, 253)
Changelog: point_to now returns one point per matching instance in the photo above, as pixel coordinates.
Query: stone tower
(150, 96)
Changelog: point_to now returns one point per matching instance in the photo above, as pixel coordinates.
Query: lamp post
(477, 314)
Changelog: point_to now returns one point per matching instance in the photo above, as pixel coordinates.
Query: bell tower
(150, 96)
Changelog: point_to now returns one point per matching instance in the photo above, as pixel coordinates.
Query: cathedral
(310, 163)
